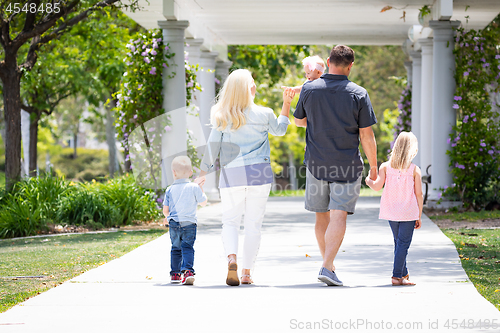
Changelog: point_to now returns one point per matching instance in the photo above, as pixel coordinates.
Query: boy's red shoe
(175, 278)
(188, 278)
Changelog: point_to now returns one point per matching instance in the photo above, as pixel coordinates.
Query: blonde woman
(240, 137)
(401, 201)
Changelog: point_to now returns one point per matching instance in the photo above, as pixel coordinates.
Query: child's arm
(296, 89)
(200, 195)
(377, 184)
(417, 176)
(165, 212)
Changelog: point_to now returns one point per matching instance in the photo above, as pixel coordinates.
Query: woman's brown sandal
(401, 281)
(246, 279)
(232, 273)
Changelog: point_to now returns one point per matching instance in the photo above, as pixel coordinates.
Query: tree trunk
(111, 140)
(75, 137)
(33, 145)
(11, 80)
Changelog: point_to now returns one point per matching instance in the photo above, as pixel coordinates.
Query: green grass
(468, 216)
(2, 179)
(365, 192)
(479, 253)
(59, 259)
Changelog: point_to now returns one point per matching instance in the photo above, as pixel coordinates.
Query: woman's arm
(279, 126)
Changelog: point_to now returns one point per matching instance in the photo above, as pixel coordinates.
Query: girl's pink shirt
(399, 202)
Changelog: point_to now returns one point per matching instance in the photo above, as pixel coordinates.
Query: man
(337, 114)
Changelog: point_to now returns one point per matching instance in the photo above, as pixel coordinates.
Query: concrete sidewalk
(133, 293)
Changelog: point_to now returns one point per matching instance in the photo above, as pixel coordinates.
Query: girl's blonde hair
(314, 62)
(404, 151)
(234, 97)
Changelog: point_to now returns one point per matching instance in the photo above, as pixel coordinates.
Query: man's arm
(301, 122)
(370, 148)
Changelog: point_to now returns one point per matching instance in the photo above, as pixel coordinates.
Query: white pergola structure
(208, 26)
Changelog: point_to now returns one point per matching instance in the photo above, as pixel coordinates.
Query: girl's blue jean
(182, 253)
(403, 233)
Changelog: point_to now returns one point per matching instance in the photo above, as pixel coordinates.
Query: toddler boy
(179, 208)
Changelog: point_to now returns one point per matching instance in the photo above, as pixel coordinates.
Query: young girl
(402, 200)
(314, 67)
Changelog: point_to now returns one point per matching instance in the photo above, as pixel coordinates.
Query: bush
(89, 164)
(35, 202)
(31, 205)
(86, 207)
(132, 202)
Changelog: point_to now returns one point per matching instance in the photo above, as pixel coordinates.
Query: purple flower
(483, 60)
(217, 81)
(147, 60)
(473, 114)
(474, 119)
(497, 56)
(475, 164)
(453, 144)
(140, 86)
(457, 98)
(135, 116)
(144, 54)
(455, 106)
(168, 128)
(483, 144)
(166, 48)
(461, 167)
(448, 141)
(491, 152)
(132, 48)
(190, 84)
(486, 65)
(153, 71)
(151, 129)
(165, 65)
(127, 157)
(466, 119)
(153, 52)
(467, 73)
(159, 200)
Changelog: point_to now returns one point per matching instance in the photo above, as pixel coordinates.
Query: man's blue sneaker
(329, 277)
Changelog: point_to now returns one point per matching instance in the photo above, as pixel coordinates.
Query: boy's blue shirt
(182, 197)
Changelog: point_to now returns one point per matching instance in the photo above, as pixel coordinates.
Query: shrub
(132, 202)
(31, 205)
(85, 206)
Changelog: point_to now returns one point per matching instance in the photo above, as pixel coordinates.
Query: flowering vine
(140, 96)
(474, 146)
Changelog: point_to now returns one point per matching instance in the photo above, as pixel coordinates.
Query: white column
(222, 70)
(174, 96)
(193, 122)
(426, 144)
(416, 88)
(409, 72)
(443, 115)
(207, 98)
(207, 81)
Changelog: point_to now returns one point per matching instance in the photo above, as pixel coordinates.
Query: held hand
(200, 181)
(165, 222)
(288, 95)
(369, 182)
(418, 223)
(373, 174)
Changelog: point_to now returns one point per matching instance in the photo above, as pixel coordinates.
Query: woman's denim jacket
(247, 145)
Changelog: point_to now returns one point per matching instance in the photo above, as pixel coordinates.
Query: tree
(48, 21)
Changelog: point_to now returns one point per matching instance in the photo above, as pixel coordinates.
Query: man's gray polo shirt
(336, 109)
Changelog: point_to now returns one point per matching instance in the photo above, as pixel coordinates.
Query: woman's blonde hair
(404, 151)
(234, 97)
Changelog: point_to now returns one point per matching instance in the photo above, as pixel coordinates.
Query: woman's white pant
(236, 201)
